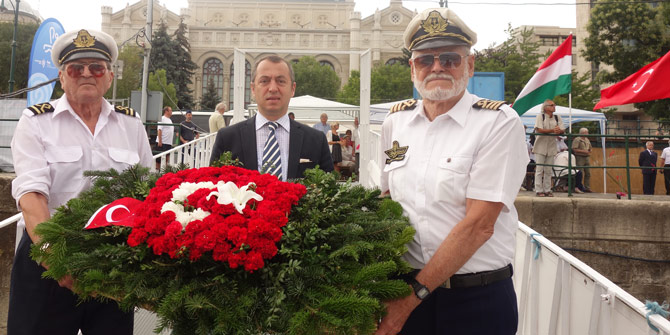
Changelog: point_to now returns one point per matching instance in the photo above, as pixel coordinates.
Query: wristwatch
(420, 290)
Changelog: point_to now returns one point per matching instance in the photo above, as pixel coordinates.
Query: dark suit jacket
(304, 143)
(648, 160)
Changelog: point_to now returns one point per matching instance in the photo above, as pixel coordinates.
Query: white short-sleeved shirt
(666, 156)
(167, 132)
(466, 153)
(52, 150)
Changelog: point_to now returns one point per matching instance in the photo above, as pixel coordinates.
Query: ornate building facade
(325, 29)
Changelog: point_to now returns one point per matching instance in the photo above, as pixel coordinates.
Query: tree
(351, 92)
(517, 57)
(132, 72)
(390, 83)
(315, 79)
(387, 83)
(163, 52)
(210, 98)
(184, 67)
(158, 82)
(628, 36)
(24, 42)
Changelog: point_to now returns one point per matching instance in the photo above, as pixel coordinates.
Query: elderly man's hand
(397, 312)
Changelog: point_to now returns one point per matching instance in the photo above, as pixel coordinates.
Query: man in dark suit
(255, 141)
(648, 158)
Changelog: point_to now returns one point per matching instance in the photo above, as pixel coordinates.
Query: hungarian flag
(554, 77)
(649, 83)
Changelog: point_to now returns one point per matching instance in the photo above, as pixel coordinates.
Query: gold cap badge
(83, 39)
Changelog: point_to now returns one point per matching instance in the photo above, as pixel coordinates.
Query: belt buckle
(447, 284)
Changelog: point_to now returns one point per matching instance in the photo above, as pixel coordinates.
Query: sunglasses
(76, 70)
(450, 60)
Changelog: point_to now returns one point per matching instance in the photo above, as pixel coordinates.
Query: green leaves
(336, 260)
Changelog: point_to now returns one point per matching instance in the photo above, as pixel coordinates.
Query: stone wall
(7, 242)
(595, 230)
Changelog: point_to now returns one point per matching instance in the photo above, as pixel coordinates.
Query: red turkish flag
(119, 213)
(649, 83)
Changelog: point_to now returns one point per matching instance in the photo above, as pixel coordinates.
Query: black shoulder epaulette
(403, 106)
(43, 108)
(124, 110)
(488, 104)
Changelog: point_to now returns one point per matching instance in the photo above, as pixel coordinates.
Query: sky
(488, 18)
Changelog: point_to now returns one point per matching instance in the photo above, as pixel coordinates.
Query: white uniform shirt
(167, 132)
(52, 150)
(465, 153)
(666, 156)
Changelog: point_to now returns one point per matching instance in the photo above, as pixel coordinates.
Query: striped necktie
(271, 154)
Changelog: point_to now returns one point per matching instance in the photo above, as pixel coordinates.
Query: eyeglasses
(449, 60)
(76, 70)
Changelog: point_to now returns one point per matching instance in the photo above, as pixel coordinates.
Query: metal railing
(559, 294)
(627, 167)
(195, 153)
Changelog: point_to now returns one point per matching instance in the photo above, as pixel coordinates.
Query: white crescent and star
(648, 74)
(111, 210)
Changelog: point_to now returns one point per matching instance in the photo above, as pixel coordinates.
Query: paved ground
(601, 196)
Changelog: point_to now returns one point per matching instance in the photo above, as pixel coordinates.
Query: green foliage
(158, 82)
(211, 97)
(132, 57)
(24, 42)
(387, 83)
(517, 57)
(315, 79)
(390, 83)
(330, 276)
(184, 66)
(351, 92)
(163, 51)
(628, 36)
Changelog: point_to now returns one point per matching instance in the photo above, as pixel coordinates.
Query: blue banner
(41, 67)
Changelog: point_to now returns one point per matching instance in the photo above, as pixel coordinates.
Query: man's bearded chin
(441, 94)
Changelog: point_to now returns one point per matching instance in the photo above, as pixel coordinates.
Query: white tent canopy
(308, 109)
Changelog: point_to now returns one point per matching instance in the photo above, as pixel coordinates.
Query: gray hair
(583, 131)
(545, 103)
(220, 106)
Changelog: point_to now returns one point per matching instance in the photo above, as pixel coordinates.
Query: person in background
(216, 120)
(581, 146)
(647, 160)
(545, 147)
(665, 162)
(188, 130)
(323, 126)
(335, 146)
(291, 116)
(165, 134)
(53, 144)
(561, 170)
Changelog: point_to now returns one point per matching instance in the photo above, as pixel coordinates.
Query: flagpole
(570, 109)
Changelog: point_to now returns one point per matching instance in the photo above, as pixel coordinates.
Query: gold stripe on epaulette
(403, 106)
(124, 110)
(38, 109)
(488, 104)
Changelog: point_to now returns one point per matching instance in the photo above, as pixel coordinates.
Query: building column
(355, 41)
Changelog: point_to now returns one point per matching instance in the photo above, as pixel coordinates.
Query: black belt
(475, 279)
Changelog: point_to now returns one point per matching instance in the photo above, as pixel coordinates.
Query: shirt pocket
(64, 167)
(397, 178)
(123, 158)
(453, 177)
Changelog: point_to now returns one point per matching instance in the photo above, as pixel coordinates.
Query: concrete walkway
(611, 196)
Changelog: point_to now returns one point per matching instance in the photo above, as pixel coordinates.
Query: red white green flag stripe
(554, 77)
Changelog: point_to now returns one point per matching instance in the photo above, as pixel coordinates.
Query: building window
(574, 59)
(549, 40)
(395, 18)
(325, 62)
(212, 70)
(247, 83)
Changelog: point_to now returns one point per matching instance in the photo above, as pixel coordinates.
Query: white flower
(229, 193)
(185, 189)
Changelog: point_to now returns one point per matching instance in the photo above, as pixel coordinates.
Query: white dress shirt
(666, 156)
(467, 153)
(282, 133)
(52, 150)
